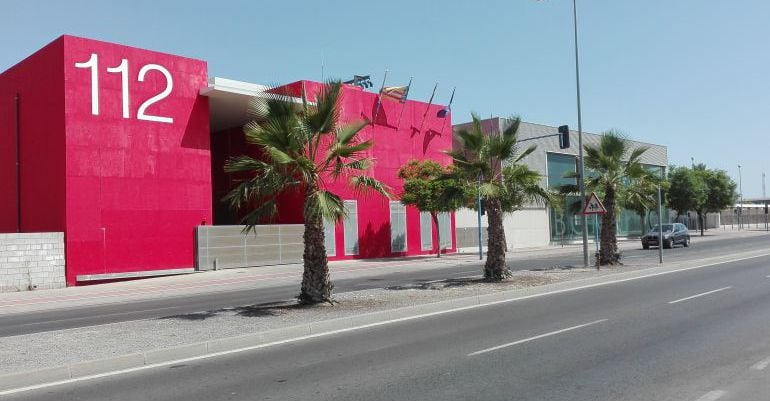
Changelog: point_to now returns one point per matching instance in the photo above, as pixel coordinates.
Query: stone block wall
(30, 261)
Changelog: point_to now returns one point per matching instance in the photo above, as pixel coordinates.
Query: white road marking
(761, 365)
(699, 295)
(712, 395)
(553, 333)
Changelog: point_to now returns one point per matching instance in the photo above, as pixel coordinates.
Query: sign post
(595, 207)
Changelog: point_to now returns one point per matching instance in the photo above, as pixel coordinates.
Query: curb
(28, 380)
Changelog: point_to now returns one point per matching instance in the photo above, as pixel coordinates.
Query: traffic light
(483, 209)
(564, 137)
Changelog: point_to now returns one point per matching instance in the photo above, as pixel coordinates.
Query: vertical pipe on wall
(17, 102)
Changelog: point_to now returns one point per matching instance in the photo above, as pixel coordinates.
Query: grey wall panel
(227, 246)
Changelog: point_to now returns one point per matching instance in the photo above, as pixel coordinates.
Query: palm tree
(640, 195)
(492, 161)
(304, 147)
(610, 168)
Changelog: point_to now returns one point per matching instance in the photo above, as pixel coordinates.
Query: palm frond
(346, 133)
(326, 205)
(513, 129)
(364, 185)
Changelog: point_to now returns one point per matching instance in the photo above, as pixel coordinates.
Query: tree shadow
(552, 268)
(437, 285)
(256, 310)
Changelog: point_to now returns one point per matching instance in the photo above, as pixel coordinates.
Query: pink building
(121, 149)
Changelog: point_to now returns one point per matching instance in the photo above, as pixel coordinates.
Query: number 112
(122, 69)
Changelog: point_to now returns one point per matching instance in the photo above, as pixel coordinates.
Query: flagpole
(379, 97)
(428, 108)
(403, 105)
(449, 110)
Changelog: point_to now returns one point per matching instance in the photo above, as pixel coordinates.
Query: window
(329, 241)
(397, 227)
(350, 225)
(426, 231)
(445, 230)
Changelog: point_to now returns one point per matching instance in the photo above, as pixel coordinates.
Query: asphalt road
(83, 316)
(700, 335)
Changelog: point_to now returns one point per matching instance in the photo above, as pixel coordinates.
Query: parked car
(673, 234)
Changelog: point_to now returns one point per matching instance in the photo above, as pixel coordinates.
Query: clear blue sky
(688, 74)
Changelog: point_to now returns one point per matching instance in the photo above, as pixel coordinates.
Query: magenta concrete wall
(135, 189)
(39, 82)
(421, 134)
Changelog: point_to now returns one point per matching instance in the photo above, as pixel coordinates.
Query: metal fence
(221, 247)
(750, 218)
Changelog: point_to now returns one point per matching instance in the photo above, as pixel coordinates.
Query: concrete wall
(523, 229)
(31, 261)
(227, 247)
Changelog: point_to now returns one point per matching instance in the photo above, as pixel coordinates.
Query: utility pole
(478, 213)
(740, 206)
(581, 169)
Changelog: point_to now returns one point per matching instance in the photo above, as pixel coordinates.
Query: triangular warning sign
(594, 205)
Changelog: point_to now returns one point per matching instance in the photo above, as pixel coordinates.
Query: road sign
(594, 205)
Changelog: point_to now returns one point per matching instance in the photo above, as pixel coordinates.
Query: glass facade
(329, 241)
(445, 230)
(426, 231)
(566, 221)
(397, 227)
(350, 225)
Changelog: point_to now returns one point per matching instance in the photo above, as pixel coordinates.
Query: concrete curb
(212, 348)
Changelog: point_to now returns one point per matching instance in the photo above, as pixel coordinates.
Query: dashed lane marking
(700, 295)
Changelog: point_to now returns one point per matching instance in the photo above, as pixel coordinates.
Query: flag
(443, 112)
(379, 98)
(396, 93)
(402, 100)
(430, 102)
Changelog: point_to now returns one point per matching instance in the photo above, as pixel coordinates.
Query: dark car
(672, 234)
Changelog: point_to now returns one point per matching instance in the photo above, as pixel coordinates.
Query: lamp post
(581, 180)
(478, 213)
(740, 207)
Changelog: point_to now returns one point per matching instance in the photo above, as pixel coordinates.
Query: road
(283, 289)
(700, 335)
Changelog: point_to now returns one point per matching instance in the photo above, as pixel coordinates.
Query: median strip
(526, 340)
(699, 295)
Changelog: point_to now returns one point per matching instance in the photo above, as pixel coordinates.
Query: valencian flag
(397, 93)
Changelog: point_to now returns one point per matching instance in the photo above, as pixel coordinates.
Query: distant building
(541, 226)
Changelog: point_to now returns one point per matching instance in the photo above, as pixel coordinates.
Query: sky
(692, 75)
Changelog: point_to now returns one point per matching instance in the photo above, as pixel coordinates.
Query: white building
(537, 226)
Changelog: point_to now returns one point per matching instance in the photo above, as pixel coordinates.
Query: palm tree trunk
(608, 254)
(316, 283)
(641, 223)
(495, 268)
(434, 217)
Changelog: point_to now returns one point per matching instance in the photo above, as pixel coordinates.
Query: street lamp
(581, 180)
(740, 207)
